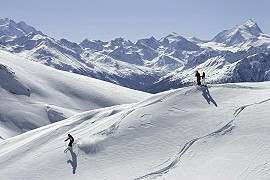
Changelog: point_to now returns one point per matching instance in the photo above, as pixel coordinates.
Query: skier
(198, 78)
(71, 140)
(203, 79)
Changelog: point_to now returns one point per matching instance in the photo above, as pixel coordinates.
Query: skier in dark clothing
(198, 78)
(71, 140)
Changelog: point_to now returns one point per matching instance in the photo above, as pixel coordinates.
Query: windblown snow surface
(215, 132)
(33, 95)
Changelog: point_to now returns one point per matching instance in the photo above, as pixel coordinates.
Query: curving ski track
(222, 131)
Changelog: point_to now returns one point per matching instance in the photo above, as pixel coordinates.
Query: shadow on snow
(73, 160)
(207, 96)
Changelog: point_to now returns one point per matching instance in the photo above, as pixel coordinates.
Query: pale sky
(105, 20)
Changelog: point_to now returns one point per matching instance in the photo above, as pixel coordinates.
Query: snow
(33, 95)
(10, 30)
(215, 132)
(146, 63)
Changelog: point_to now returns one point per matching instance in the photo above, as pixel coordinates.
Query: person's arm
(67, 139)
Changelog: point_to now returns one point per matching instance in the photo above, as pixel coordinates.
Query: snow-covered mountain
(219, 132)
(177, 42)
(33, 95)
(148, 64)
(247, 33)
(11, 30)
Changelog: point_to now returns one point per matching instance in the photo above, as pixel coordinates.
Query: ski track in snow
(113, 128)
(222, 131)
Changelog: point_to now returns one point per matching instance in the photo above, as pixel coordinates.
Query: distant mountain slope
(220, 132)
(240, 34)
(10, 30)
(142, 65)
(33, 95)
(231, 67)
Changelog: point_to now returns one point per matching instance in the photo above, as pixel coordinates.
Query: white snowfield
(220, 132)
(33, 95)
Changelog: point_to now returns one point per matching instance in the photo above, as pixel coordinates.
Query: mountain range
(238, 54)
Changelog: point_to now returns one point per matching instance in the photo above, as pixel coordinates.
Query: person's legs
(198, 81)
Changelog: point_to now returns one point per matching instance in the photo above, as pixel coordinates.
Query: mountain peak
(6, 22)
(254, 28)
(173, 34)
(239, 34)
(9, 29)
(250, 23)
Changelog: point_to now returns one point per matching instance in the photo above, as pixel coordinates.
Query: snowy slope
(219, 132)
(33, 95)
